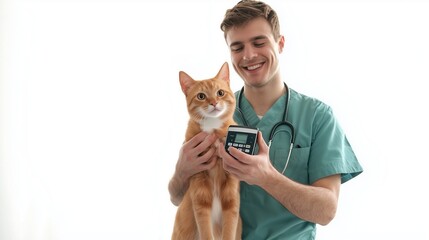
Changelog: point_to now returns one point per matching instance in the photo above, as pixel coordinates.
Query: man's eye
(259, 44)
(236, 49)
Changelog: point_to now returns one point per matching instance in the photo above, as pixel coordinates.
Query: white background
(92, 115)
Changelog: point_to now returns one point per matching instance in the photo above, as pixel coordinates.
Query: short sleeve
(331, 152)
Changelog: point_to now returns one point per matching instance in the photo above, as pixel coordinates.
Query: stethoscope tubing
(277, 125)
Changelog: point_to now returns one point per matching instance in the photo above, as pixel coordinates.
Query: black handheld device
(241, 137)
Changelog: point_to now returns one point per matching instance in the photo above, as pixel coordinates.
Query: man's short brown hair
(247, 10)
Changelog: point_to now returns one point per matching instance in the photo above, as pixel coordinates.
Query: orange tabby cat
(210, 207)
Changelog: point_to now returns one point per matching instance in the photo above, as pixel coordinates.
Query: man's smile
(252, 67)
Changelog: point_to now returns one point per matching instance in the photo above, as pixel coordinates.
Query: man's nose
(249, 54)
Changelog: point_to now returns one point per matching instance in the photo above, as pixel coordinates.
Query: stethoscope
(285, 122)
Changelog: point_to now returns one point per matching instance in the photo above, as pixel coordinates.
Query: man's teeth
(254, 67)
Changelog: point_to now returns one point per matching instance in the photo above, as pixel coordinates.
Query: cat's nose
(213, 104)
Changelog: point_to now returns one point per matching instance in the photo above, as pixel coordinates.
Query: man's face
(254, 52)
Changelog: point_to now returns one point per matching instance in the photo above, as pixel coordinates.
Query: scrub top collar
(270, 118)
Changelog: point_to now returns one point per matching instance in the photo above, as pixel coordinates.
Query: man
(282, 196)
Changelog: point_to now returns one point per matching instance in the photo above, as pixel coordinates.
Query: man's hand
(195, 156)
(249, 168)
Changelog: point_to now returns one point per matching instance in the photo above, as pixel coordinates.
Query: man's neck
(262, 98)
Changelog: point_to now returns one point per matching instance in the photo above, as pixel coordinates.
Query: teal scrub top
(321, 149)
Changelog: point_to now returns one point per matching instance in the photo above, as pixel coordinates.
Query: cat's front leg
(202, 203)
(231, 225)
(203, 219)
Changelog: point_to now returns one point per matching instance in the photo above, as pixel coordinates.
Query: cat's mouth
(214, 111)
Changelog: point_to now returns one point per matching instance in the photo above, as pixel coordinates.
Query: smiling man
(254, 55)
(294, 184)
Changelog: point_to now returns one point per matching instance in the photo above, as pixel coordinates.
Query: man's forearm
(177, 188)
(312, 203)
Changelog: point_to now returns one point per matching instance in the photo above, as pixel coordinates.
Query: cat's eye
(220, 93)
(201, 96)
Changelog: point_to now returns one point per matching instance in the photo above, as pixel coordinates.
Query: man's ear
(281, 43)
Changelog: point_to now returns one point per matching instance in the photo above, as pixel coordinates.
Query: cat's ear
(186, 81)
(223, 73)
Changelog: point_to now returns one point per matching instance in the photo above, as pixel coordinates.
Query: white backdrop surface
(92, 115)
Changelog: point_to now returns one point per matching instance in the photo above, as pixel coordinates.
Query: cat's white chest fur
(209, 124)
(216, 211)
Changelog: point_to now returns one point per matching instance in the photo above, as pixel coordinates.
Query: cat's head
(210, 98)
